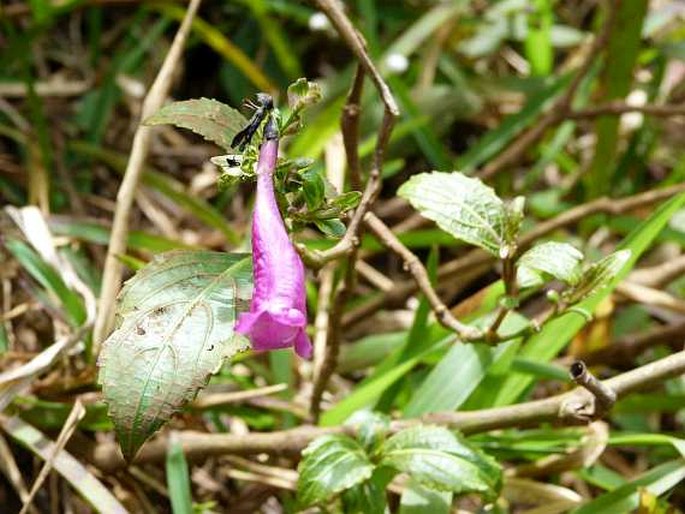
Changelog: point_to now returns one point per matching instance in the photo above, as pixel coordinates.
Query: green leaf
(556, 334)
(311, 141)
(462, 206)
(513, 218)
(330, 465)
(445, 390)
(368, 497)
(538, 42)
(313, 188)
(371, 428)
(303, 93)
(649, 439)
(346, 201)
(331, 228)
(442, 460)
(42, 10)
(616, 81)
(560, 260)
(175, 323)
(368, 351)
(178, 479)
(598, 276)
(213, 120)
(417, 499)
(371, 389)
(416, 337)
(626, 498)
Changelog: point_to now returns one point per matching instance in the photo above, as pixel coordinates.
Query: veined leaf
(461, 206)
(556, 334)
(560, 260)
(302, 93)
(440, 459)
(175, 323)
(598, 276)
(417, 499)
(371, 428)
(213, 120)
(369, 496)
(330, 465)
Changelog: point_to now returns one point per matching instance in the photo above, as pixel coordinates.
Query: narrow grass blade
(65, 464)
(177, 477)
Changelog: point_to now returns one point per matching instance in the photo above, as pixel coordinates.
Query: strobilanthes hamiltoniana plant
(278, 312)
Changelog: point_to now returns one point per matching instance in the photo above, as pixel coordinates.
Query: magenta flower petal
(278, 311)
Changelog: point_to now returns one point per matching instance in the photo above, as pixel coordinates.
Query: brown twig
(373, 187)
(571, 407)
(111, 279)
(510, 290)
(350, 238)
(323, 314)
(619, 108)
(350, 129)
(477, 258)
(651, 296)
(330, 360)
(335, 12)
(625, 349)
(660, 275)
(605, 397)
(349, 244)
(210, 400)
(418, 271)
(78, 411)
(576, 406)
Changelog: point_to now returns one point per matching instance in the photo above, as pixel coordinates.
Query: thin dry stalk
(111, 280)
(574, 407)
(418, 271)
(78, 411)
(349, 244)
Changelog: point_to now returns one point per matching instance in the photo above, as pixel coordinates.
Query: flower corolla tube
(278, 311)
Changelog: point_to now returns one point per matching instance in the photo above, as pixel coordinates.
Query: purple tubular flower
(278, 312)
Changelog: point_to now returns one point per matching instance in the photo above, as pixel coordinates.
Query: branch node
(603, 397)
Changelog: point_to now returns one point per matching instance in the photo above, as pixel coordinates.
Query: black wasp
(262, 107)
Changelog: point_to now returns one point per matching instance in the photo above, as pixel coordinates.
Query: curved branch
(573, 407)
